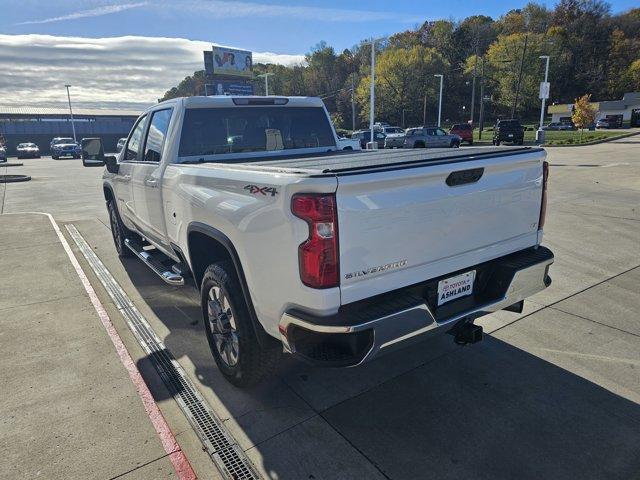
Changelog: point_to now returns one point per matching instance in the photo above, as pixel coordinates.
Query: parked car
(411, 257)
(64, 147)
(3, 154)
(120, 144)
(428, 137)
(364, 137)
(614, 121)
(610, 121)
(508, 131)
(464, 131)
(348, 144)
(561, 126)
(394, 137)
(27, 150)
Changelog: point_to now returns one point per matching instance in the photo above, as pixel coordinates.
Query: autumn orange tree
(584, 113)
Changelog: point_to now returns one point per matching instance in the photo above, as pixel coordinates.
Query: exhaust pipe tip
(468, 333)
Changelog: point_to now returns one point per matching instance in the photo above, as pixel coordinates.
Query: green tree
(403, 77)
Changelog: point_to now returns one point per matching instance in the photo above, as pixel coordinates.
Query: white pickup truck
(333, 256)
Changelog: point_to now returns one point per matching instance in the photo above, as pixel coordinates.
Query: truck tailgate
(401, 226)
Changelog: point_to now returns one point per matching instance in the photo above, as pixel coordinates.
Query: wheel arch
(207, 245)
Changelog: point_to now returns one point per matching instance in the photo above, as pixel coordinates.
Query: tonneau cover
(345, 161)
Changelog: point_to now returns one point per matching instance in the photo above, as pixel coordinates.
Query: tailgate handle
(462, 177)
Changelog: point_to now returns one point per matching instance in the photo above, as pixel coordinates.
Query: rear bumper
(349, 339)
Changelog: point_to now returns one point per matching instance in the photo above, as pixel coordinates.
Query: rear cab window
(229, 130)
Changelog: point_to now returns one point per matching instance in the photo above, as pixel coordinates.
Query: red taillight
(543, 205)
(318, 255)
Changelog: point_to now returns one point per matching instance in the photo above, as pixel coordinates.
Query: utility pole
(440, 100)
(481, 119)
(424, 110)
(515, 101)
(73, 125)
(473, 85)
(353, 103)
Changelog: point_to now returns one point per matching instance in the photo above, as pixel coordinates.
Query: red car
(464, 131)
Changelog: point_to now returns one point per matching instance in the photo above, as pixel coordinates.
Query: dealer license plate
(455, 287)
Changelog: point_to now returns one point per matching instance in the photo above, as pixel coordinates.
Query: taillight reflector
(318, 255)
(543, 205)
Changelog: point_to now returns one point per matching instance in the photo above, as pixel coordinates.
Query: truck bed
(345, 162)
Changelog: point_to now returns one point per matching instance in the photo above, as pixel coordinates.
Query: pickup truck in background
(333, 256)
(510, 131)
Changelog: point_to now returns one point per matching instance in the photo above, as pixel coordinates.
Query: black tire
(230, 332)
(54, 157)
(118, 231)
(455, 144)
(497, 143)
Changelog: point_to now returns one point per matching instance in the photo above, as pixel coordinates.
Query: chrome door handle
(151, 182)
(126, 177)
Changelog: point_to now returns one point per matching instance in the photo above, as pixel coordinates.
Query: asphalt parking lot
(553, 392)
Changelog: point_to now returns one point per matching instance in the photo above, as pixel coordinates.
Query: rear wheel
(496, 142)
(232, 339)
(54, 157)
(454, 144)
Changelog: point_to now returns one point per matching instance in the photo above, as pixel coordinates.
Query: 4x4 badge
(256, 190)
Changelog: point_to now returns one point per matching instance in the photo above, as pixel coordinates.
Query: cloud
(118, 72)
(231, 9)
(94, 12)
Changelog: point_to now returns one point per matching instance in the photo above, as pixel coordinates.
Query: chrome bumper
(405, 324)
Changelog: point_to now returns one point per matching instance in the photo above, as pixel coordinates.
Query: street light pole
(266, 82)
(372, 97)
(73, 125)
(544, 99)
(440, 100)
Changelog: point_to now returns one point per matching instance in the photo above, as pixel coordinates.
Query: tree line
(592, 52)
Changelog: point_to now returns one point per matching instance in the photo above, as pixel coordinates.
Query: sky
(128, 52)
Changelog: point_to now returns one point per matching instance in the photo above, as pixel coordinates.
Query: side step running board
(155, 264)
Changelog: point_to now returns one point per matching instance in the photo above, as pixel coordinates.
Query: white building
(628, 107)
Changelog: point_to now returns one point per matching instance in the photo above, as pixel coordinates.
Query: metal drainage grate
(225, 453)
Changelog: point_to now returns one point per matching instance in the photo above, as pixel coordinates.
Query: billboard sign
(208, 62)
(229, 87)
(232, 62)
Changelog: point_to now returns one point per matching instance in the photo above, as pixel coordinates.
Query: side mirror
(92, 152)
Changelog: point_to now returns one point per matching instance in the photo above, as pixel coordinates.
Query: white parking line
(171, 447)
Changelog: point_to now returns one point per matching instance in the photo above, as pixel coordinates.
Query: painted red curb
(178, 459)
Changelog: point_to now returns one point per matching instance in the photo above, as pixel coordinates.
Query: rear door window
(158, 127)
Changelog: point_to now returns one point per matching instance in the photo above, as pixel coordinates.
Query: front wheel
(118, 231)
(232, 339)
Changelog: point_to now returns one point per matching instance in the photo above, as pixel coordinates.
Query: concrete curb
(595, 142)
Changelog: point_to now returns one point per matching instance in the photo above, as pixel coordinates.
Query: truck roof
(217, 101)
